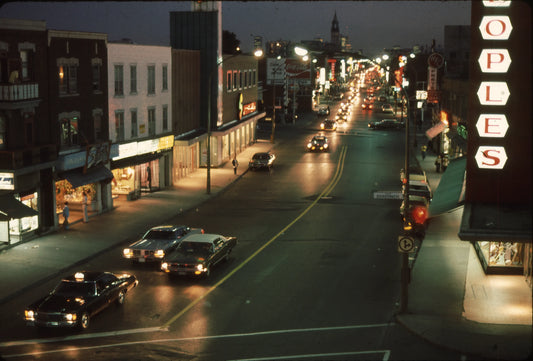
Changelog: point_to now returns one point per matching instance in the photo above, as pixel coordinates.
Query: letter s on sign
(491, 157)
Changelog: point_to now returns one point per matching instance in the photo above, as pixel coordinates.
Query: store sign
(491, 157)
(249, 108)
(493, 93)
(165, 142)
(7, 181)
(492, 125)
(97, 154)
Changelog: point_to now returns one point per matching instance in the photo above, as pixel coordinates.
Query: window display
(123, 180)
(502, 254)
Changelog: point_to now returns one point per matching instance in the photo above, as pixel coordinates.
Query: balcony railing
(21, 158)
(18, 92)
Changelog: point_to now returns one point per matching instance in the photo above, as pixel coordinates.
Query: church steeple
(335, 35)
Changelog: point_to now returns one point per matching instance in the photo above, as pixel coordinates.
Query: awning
(93, 175)
(10, 208)
(450, 192)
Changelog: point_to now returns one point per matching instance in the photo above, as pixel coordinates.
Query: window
(240, 80)
(119, 80)
(165, 77)
(25, 58)
(151, 79)
(234, 80)
(133, 79)
(151, 121)
(228, 81)
(69, 131)
(96, 77)
(165, 118)
(68, 79)
(254, 78)
(98, 125)
(119, 125)
(133, 115)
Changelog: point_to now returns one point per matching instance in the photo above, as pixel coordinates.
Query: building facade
(140, 118)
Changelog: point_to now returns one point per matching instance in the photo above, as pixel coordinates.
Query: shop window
(502, 254)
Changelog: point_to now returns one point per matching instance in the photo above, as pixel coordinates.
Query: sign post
(405, 246)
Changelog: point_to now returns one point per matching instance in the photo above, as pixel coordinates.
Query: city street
(315, 274)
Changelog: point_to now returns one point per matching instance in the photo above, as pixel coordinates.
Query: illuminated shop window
(503, 254)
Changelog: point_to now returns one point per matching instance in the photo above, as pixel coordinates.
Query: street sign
(406, 244)
(388, 195)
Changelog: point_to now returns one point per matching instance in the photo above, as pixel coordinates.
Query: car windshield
(199, 248)
(68, 288)
(260, 156)
(164, 235)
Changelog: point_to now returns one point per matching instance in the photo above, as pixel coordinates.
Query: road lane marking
(200, 338)
(386, 355)
(82, 336)
(329, 188)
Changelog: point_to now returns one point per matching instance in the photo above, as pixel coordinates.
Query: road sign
(388, 195)
(406, 244)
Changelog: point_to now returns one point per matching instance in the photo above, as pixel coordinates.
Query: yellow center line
(326, 191)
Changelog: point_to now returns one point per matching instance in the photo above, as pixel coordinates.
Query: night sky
(370, 25)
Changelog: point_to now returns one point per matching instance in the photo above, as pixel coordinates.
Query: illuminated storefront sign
(7, 181)
(249, 108)
(493, 93)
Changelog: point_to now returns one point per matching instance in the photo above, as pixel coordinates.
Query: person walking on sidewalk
(423, 150)
(235, 164)
(84, 206)
(149, 177)
(66, 213)
(438, 163)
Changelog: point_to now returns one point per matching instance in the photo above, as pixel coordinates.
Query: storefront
(186, 154)
(143, 166)
(18, 216)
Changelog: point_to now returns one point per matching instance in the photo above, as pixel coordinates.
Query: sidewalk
(452, 303)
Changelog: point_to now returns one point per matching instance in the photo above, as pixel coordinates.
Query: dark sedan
(198, 254)
(79, 297)
(386, 124)
(157, 242)
(328, 124)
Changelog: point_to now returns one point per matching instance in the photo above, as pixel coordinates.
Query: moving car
(385, 124)
(196, 255)
(329, 124)
(318, 143)
(323, 110)
(77, 298)
(387, 108)
(261, 160)
(157, 242)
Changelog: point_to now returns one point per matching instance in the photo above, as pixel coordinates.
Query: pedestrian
(445, 161)
(438, 163)
(66, 213)
(423, 149)
(149, 177)
(235, 164)
(84, 206)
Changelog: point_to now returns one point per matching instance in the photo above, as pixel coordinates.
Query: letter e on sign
(491, 157)
(495, 27)
(492, 125)
(493, 93)
(494, 60)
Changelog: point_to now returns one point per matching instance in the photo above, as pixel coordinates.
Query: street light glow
(300, 51)
(258, 53)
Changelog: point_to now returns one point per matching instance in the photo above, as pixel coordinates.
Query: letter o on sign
(495, 27)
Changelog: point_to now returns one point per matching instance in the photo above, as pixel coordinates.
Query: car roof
(166, 227)
(203, 238)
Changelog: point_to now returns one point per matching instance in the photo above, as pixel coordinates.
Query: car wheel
(121, 298)
(84, 321)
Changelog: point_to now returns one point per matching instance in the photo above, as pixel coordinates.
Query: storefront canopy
(10, 208)
(93, 175)
(449, 194)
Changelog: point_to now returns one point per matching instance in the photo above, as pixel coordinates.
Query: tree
(230, 43)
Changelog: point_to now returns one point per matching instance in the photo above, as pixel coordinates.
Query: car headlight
(29, 315)
(309, 145)
(322, 126)
(164, 266)
(127, 252)
(325, 145)
(70, 317)
(159, 253)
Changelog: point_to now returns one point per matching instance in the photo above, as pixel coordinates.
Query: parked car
(318, 143)
(419, 188)
(198, 254)
(77, 298)
(414, 201)
(415, 173)
(329, 124)
(385, 124)
(263, 160)
(157, 242)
